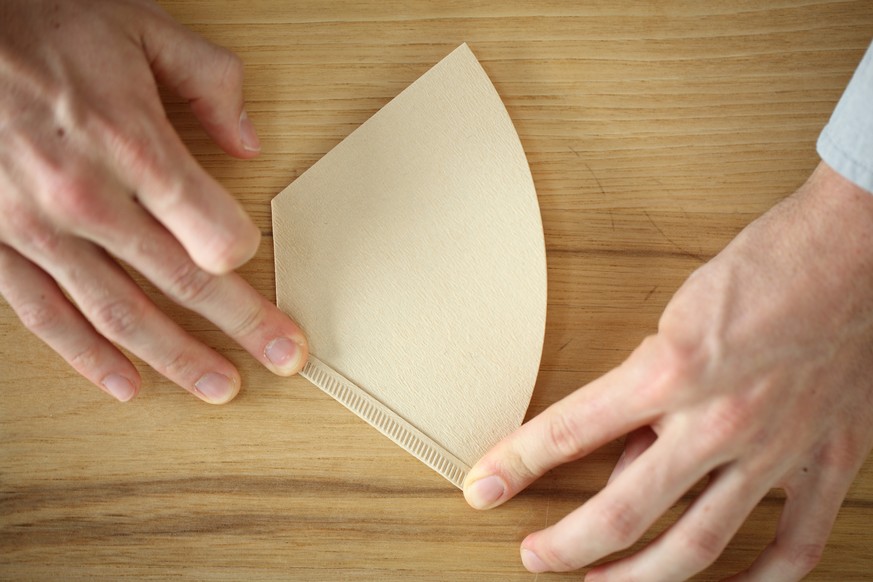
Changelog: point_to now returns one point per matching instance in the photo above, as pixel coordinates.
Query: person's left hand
(92, 171)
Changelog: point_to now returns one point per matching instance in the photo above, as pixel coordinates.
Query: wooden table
(655, 131)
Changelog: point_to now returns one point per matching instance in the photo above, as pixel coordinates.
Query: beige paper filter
(412, 255)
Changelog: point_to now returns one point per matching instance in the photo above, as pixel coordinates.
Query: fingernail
(119, 386)
(247, 133)
(486, 492)
(284, 353)
(216, 388)
(532, 562)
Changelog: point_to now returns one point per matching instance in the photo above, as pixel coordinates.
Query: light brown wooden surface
(655, 131)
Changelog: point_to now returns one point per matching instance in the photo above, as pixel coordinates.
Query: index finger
(209, 223)
(622, 400)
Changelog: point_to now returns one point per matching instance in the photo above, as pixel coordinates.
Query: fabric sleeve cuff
(848, 166)
(846, 142)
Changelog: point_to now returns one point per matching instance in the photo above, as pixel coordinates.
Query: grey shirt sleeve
(846, 142)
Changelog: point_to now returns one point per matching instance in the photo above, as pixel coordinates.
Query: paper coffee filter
(412, 255)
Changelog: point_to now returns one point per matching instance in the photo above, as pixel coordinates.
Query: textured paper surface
(412, 255)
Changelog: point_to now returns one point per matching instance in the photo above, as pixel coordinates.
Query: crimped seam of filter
(385, 421)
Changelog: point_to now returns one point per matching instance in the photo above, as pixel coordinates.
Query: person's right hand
(760, 376)
(89, 165)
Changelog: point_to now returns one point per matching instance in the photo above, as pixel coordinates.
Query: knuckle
(86, 359)
(565, 436)
(803, 557)
(228, 253)
(226, 75)
(71, 199)
(701, 547)
(138, 154)
(808, 556)
(519, 468)
(46, 241)
(729, 417)
(189, 284)
(19, 220)
(39, 317)
(844, 454)
(249, 320)
(180, 366)
(559, 558)
(620, 523)
(736, 420)
(118, 318)
(669, 366)
(232, 68)
(134, 146)
(722, 430)
(24, 228)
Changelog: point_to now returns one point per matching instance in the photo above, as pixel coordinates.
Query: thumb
(208, 76)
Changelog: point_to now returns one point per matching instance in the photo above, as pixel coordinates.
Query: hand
(89, 166)
(760, 376)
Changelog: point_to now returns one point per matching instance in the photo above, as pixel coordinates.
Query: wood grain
(655, 131)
